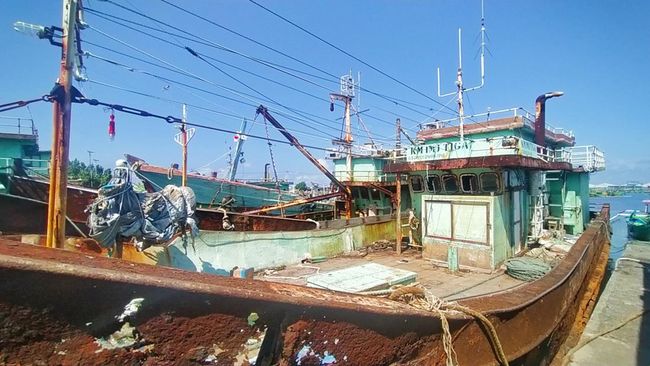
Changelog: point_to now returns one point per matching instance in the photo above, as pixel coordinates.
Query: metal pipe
(266, 171)
(295, 203)
(540, 116)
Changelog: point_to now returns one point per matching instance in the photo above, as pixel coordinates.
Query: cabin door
(516, 222)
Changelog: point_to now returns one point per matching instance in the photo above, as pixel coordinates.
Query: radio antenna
(461, 89)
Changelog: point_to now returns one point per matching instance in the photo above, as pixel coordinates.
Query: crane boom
(294, 141)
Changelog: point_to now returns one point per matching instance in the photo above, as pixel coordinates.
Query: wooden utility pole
(56, 209)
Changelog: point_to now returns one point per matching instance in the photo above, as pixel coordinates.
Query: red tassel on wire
(111, 127)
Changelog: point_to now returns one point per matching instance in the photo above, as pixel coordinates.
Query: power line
(166, 79)
(195, 106)
(171, 119)
(396, 101)
(219, 61)
(238, 93)
(346, 53)
(179, 70)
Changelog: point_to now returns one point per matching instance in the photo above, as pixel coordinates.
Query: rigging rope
(419, 297)
(275, 172)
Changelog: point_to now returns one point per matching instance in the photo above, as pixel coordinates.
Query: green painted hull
(212, 191)
(638, 226)
(218, 252)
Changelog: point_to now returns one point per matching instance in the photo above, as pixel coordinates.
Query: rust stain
(47, 295)
(482, 162)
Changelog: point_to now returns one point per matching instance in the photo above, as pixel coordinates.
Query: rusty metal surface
(524, 317)
(297, 202)
(210, 219)
(74, 297)
(78, 198)
(483, 162)
(508, 123)
(27, 216)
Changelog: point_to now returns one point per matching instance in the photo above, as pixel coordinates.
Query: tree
(302, 186)
(93, 176)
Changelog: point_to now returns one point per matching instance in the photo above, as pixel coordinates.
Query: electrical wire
(175, 70)
(395, 101)
(238, 93)
(346, 53)
(176, 120)
(219, 61)
(195, 106)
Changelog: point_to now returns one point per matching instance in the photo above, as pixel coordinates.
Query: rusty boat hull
(56, 304)
(28, 218)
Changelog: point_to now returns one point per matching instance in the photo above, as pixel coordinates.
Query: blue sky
(596, 52)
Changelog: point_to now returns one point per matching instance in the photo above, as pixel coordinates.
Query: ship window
(490, 182)
(374, 194)
(363, 193)
(433, 183)
(469, 183)
(355, 193)
(450, 183)
(417, 183)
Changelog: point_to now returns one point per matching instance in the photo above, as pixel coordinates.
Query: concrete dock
(618, 332)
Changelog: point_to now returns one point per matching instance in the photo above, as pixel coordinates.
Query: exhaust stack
(540, 116)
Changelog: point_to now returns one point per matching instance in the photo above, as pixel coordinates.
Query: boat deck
(439, 280)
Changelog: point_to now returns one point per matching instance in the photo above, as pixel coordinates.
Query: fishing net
(151, 218)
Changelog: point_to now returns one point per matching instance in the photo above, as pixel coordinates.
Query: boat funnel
(540, 116)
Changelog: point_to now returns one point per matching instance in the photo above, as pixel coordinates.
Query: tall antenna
(461, 89)
(346, 94)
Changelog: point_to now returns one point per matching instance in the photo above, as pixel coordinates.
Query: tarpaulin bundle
(151, 218)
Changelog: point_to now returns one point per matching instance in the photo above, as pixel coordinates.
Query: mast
(346, 94)
(62, 110)
(240, 137)
(398, 137)
(183, 138)
(184, 132)
(460, 88)
(348, 138)
(459, 84)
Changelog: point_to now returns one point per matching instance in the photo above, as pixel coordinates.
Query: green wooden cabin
(19, 148)
(482, 198)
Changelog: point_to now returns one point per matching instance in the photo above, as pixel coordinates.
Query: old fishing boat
(638, 224)
(212, 191)
(24, 190)
(482, 194)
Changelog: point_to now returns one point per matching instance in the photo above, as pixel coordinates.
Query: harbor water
(618, 207)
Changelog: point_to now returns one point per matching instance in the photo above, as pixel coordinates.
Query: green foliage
(302, 186)
(93, 176)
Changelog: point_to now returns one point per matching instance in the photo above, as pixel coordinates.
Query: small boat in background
(638, 224)
(212, 191)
